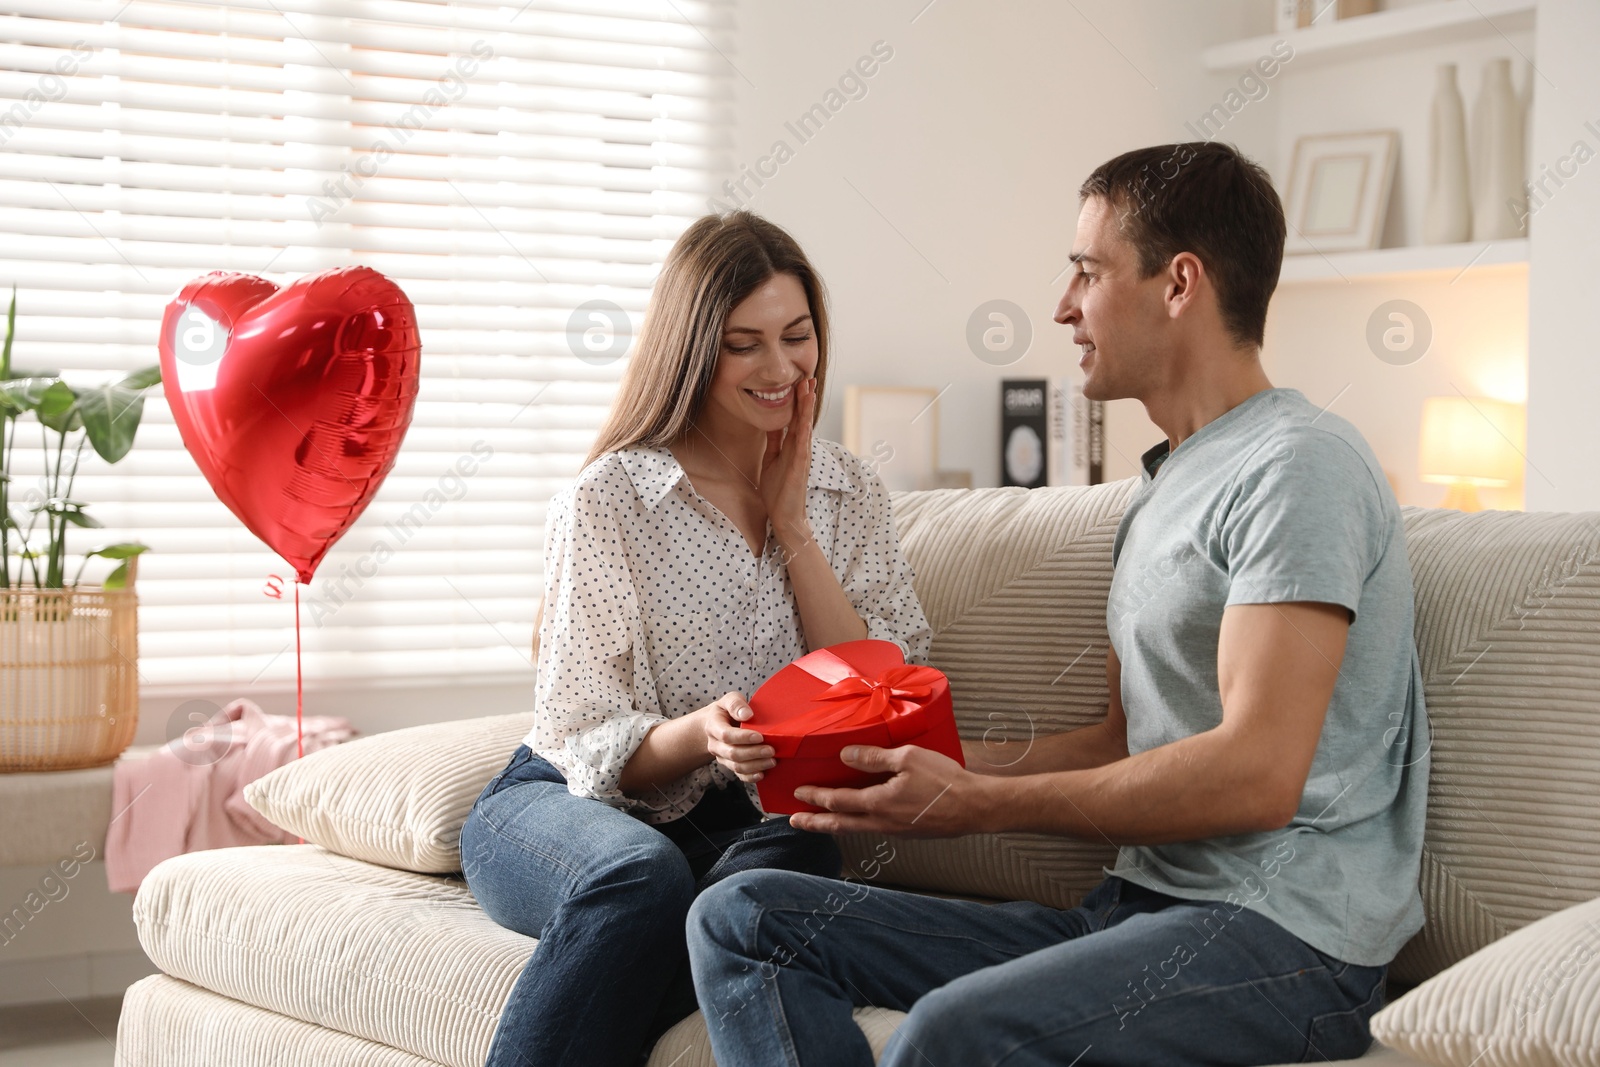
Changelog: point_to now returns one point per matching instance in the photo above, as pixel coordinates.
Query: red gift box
(855, 693)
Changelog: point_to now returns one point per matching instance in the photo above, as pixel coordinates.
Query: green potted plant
(69, 692)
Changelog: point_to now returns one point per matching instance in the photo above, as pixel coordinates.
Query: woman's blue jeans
(607, 896)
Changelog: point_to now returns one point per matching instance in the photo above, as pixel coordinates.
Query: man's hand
(930, 795)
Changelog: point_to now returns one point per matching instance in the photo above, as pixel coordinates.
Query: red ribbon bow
(864, 700)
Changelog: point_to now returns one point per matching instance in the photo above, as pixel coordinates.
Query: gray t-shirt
(1271, 502)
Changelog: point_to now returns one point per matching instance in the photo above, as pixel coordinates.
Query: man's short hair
(1208, 199)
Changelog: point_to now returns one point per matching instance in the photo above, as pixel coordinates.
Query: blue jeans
(606, 895)
(1130, 976)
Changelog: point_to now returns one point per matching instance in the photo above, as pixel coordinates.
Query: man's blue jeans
(1130, 976)
(606, 895)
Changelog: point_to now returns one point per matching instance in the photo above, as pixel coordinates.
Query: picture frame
(1338, 193)
(896, 430)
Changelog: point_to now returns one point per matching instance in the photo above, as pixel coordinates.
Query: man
(1260, 762)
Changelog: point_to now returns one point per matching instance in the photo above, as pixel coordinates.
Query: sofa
(364, 946)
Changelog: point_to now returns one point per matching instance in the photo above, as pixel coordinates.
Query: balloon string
(299, 694)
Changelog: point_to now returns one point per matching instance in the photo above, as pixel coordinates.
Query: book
(1050, 433)
(1024, 432)
(1077, 434)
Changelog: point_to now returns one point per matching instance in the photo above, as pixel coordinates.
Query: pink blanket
(188, 795)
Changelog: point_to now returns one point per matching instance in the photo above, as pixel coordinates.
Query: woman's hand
(739, 750)
(786, 470)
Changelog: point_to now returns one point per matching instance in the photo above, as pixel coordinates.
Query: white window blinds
(503, 165)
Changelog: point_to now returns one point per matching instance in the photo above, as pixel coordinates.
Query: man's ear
(1185, 274)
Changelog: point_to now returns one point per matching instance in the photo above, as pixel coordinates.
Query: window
(504, 166)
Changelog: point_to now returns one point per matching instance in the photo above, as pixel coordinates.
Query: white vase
(1448, 217)
(1499, 199)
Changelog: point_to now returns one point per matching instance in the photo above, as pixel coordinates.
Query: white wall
(1316, 342)
(965, 156)
(972, 139)
(1564, 374)
(1316, 333)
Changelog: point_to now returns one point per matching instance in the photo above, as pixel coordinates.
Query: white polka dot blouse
(655, 606)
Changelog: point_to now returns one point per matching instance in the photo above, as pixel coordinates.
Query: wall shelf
(1428, 260)
(1381, 33)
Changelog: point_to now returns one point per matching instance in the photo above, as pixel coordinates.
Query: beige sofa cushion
(289, 955)
(168, 1023)
(306, 940)
(396, 798)
(1531, 999)
(406, 959)
(1014, 584)
(1508, 629)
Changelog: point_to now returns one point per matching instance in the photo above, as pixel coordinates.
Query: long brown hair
(719, 260)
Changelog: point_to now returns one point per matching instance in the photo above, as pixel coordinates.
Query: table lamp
(1469, 442)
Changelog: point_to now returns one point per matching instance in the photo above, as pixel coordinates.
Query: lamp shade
(1472, 439)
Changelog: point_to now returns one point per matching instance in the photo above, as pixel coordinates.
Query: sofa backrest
(1014, 583)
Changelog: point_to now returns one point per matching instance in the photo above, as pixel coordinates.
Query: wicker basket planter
(69, 680)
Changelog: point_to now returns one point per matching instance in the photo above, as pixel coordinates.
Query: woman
(708, 541)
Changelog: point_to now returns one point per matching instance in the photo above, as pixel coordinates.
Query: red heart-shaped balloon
(293, 401)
